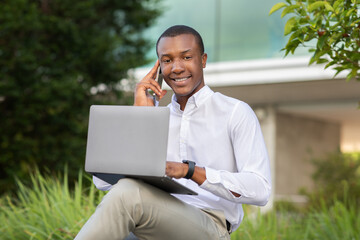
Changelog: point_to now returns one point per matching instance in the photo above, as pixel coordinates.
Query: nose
(177, 66)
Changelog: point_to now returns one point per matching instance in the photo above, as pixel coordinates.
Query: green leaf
(304, 20)
(287, 51)
(289, 9)
(329, 7)
(312, 7)
(312, 60)
(294, 35)
(330, 64)
(321, 41)
(335, 37)
(292, 45)
(321, 61)
(355, 34)
(289, 25)
(338, 70)
(349, 12)
(355, 22)
(352, 74)
(337, 4)
(316, 56)
(277, 7)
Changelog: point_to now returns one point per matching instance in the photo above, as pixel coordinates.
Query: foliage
(337, 176)
(335, 27)
(48, 209)
(338, 222)
(57, 57)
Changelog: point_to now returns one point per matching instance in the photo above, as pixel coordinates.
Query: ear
(203, 60)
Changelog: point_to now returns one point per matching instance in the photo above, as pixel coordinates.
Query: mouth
(180, 79)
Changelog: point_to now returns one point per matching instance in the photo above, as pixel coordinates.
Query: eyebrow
(188, 50)
(182, 52)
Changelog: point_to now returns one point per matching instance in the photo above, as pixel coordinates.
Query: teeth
(180, 79)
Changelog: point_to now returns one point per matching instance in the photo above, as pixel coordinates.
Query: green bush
(54, 56)
(337, 176)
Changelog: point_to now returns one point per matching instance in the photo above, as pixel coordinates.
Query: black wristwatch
(191, 170)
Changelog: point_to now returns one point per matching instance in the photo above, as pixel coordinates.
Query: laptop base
(165, 183)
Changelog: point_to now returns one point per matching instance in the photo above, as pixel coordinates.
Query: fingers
(153, 72)
(148, 83)
(163, 92)
(176, 169)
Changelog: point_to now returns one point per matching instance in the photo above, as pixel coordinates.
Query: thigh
(166, 217)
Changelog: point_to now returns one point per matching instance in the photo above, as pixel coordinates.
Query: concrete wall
(298, 140)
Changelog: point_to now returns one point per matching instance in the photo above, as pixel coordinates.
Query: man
(219, 134)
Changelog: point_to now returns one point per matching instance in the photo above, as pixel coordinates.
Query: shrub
(337, 176)
(58, 57)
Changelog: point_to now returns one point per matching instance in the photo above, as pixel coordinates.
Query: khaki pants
(150, 213)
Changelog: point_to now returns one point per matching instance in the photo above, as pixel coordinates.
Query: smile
(180, 79)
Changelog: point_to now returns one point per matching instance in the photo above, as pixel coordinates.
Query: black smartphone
(159, 79)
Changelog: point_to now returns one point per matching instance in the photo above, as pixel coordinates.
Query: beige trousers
(150, 213)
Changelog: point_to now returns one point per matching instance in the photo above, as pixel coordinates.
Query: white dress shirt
(223, 135)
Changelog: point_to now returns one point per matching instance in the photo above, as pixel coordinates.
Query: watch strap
(191, 170)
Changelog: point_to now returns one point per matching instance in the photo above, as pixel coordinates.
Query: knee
(125, 190)
(132, 193)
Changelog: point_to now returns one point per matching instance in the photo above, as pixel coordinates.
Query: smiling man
(215, 147)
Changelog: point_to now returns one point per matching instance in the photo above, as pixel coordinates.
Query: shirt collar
(197, 99)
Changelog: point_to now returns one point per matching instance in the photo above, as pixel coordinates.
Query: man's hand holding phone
(149, 82)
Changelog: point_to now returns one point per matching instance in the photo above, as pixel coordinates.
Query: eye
(187, 57)
(166, 60)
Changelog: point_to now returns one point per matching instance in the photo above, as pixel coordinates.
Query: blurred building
(304, 112)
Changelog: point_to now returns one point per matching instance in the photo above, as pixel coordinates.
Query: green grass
(49, 209)
(338, 222)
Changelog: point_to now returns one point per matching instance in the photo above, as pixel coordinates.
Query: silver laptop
(130, 141)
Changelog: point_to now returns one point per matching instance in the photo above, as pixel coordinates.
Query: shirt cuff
(101, 184)
(217, 186)
(212, 175)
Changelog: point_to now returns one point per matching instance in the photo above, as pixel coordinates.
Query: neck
(182, 100)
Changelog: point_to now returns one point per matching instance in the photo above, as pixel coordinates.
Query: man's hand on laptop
(142, 96)
(180, 170)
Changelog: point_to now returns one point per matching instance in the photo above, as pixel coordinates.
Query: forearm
(252, 187)
(199, 175)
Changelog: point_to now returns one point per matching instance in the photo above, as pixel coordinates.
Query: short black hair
(179, 30)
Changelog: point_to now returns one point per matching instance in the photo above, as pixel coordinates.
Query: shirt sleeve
(101, 184)
(252, 179)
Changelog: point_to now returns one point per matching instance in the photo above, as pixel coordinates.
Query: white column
(267, 119)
